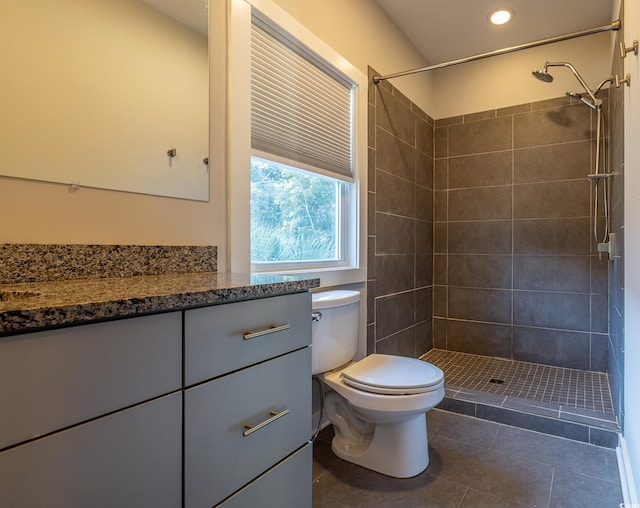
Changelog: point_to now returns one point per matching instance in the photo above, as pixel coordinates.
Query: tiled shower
(516, 270)
(481, 234)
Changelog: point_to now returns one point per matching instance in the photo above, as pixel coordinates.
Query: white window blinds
(301, 108)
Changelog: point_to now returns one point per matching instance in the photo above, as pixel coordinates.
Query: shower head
(578, 96)
(543, 75)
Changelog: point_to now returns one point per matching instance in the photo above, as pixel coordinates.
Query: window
(302, 170)
(296, 216)
(296, 118)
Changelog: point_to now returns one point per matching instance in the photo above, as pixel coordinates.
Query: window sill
(328, 276)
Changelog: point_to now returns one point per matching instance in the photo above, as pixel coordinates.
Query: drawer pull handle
(266, 331)
(273, 416)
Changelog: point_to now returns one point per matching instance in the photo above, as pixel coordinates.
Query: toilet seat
(392, 375)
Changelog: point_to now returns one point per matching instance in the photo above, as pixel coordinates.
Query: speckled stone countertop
(37, 306)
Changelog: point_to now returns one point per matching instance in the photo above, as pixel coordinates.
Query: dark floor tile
(458, 406)
(573, 490)
(477, 499)
(561, 453)
(349, 485)
(461, 428)
(534, 422)
(511, 478)
(481, 397)
(606, 438)
(548, 409)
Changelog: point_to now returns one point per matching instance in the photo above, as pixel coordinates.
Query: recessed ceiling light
(500, 16)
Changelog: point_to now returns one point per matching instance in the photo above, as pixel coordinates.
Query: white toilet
(377, 405)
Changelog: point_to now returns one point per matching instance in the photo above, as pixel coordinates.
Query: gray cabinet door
(287, 485)
(219, 458)
(51, 380)
(127, 459)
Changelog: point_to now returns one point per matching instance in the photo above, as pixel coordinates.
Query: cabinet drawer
(219, 459)
(127, 459)
(215, 340)
(287, 485)
(50, 380)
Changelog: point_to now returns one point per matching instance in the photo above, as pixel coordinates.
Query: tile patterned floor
(476, 464)
(543, 383)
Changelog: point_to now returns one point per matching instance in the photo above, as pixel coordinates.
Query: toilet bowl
(377, 405)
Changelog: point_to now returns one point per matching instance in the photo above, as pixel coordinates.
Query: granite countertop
(37, 306)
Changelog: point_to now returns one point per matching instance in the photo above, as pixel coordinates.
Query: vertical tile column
(400, 225)
(616, 267)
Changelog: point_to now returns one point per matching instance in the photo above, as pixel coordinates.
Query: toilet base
(397, 449)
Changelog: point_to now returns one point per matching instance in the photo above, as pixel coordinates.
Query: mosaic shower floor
(563, 394)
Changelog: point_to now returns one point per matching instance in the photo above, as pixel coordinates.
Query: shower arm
(605, 28)
(578, 77)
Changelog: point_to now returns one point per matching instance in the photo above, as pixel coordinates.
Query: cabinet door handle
(266, 331)
(273, 416)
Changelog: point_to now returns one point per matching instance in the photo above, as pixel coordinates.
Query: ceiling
(193, 13)
(444, 30)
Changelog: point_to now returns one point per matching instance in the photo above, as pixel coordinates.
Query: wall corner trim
(629, 492)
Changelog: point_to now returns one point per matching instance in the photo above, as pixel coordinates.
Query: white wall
(632, 243)
(361, 32)
(506, 80)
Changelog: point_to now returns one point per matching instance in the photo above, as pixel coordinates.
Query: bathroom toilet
(377, 405)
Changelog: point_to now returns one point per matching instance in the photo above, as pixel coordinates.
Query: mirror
(111, 94)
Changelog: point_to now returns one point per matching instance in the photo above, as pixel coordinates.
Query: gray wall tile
(394, 273)
(482, 237)
(480, 271)
(401, 344)
(551, 273)
(565, 311)
(394, 313)
(482, 203)
(480, 170)
(552, 236)
(549, 163)
(552, 347)
(395, 195)
(400, 228)
(395, 117)
(491, 305)
(479, 137)
(551, 126)
(395, 156)
(424, 170)
(479, 338)
(395, 235)
(551, 199)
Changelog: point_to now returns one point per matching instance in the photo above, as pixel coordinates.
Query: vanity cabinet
(131, 458)
(202, 407)
(248, 425)
(100, 397)
(57, 378)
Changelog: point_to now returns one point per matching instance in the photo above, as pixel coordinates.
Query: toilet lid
(395, 375)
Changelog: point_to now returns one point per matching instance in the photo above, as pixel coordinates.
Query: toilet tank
(334, 332)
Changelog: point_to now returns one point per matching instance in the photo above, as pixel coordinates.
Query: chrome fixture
(627, 80)
(600, 156)
(543, 75)
(624, 50)
(613, 26)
